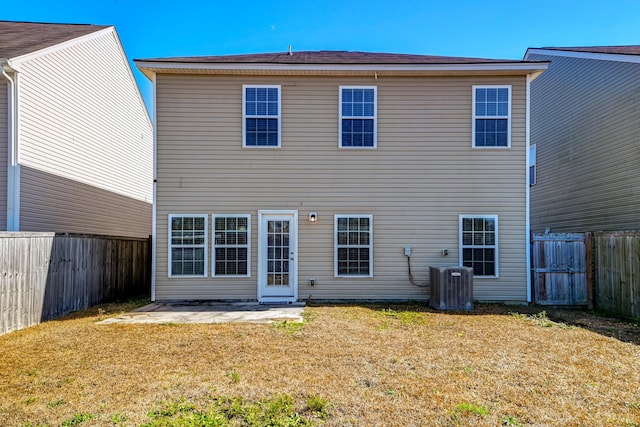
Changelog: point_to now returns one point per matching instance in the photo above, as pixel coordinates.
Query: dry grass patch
(394, 365)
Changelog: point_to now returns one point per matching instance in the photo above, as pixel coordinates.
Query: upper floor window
(532, 165)
(358, 116)
(187, 245)
(491, 116)
(261, 116)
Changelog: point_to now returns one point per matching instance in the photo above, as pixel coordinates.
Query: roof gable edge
(19, 60)
(584, 55)
(124, 58)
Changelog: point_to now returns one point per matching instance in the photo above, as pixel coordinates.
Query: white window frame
(533, 169)
(245, 116)
(494, 246)
(474, 116)
(170, 245)
(370, 245)
(214, 246)
(374, 117)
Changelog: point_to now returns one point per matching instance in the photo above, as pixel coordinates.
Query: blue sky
(486, 29)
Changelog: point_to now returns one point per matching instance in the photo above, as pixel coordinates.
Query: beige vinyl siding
(83, 126)
(4, 140)
(586, 127)
(422, 176)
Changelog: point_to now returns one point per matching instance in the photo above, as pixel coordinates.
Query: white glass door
(277, 256)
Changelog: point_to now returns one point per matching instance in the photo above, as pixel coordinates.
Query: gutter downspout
(530, 78)
(13, 165)
(528, 183)
(154, 234)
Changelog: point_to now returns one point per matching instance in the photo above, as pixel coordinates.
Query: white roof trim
(616, 57)
(18, 60)
(495, 66)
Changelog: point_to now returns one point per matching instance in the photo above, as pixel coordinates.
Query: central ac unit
(451, 288)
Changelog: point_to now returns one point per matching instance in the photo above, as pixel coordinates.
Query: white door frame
(263, 216)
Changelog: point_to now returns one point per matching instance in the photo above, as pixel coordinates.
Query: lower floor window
(354, 249)
(231, 245)
(187, 245)
(479, 244)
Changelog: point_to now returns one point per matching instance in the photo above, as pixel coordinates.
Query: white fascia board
(18, 60)
(583, 55)
(535, 75)
(496, 66)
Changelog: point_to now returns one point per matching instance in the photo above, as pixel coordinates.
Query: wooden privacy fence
(44, 276)
(600, 270)
(616, 259)
(560, 273)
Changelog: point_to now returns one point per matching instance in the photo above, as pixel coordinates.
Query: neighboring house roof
(21, 38)
(630, 53)
(616, 50)
(325, 61)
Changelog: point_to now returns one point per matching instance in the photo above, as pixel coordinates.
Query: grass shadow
(601, 323)
(108, 309)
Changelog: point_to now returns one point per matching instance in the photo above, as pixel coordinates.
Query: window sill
(357, 148)
(187, 277)
(262, 147)
(353, 277)
(222, 276)
(475, 147)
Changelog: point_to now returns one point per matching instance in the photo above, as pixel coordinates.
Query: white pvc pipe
(13, 169)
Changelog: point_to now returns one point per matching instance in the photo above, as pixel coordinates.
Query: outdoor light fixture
(313, 217)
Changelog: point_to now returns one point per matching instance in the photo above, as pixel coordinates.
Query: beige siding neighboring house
(586, 129)
(82, 135)
(308, 176)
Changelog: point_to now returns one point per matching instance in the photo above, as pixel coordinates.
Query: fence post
(588, 241)
(532, 276)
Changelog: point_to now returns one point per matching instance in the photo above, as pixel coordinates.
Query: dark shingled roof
(328, 57)
(21, 38)
(615, 50)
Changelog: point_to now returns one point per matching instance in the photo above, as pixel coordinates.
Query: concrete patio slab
(211, 312)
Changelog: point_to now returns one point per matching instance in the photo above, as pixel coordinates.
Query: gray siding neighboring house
(585, 125)
(76, 136)
(270, 187)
